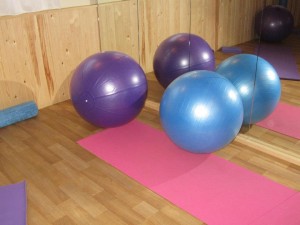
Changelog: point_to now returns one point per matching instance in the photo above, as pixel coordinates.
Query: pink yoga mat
(210, 188)
(283, 214)
(285, 120)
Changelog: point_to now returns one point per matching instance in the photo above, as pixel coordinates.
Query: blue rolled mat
(18, 113)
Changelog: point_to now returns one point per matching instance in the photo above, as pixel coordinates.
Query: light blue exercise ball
(201, 111)
(257, 83)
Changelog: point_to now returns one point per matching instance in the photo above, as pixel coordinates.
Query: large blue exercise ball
(257, 83)
(201, 111)
(181, 53)
(274, 23)
(108, 89)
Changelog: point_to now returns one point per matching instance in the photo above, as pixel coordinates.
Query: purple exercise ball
(179, 54)
(274, 23)
(108, 89)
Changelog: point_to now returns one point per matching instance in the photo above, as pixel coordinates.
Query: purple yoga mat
(13, 204)
(235, 50)
(282, 59)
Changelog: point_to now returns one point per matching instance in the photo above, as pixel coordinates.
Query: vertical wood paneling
(236, 21)
(40, 51)
(271, 2)
(21, 69)
(294, 7)
(158, 20)
(118, 27)
(67, 37)
(203, 20)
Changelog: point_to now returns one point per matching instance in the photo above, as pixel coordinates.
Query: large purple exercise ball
(274, 23)
(179, 54)
(108, 89)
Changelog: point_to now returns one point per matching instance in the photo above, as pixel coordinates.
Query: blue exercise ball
(257, 83)
(108, 89)
(201, 111)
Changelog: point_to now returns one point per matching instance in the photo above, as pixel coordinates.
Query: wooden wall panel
(271, 2)
(21, 69)
(67, 37)
(108, 1)
(40, 51)
(158, 20)
(236, 21)
(203, 20)
(294, 7)
(118, 27)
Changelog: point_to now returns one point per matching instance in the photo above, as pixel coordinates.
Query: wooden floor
(68, 185)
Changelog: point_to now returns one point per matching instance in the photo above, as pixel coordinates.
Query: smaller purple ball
(179, 54)
(108, 89)
(274, 23)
